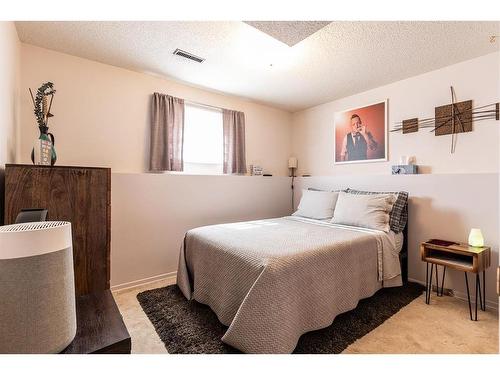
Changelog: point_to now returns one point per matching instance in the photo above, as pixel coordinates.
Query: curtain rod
(202, 105)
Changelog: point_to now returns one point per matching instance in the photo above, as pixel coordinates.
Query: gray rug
(189, 327)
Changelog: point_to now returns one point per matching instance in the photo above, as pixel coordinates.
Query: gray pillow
(399, 213)
(364, 210)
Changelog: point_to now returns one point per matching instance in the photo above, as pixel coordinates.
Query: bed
(270, 281)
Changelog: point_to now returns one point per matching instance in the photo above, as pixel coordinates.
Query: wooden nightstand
(461, 257)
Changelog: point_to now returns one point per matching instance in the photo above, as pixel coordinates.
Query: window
(203, 150)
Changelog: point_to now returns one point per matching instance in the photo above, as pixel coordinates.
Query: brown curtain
(167, 133)
(234, 141)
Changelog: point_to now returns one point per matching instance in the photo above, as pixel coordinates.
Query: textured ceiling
(341, 59)
(289, 32)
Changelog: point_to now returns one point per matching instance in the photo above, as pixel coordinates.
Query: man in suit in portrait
(356, 143)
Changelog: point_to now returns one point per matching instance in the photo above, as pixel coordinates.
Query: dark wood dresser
(82, 196)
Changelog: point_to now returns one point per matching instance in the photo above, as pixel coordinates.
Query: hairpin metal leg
(477, 292)
(484, 290)
(427, 283)
(437, 281)
(478, 280)
(442, 281)
(468, 294)
(430, 285)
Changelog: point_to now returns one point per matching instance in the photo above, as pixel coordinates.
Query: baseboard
(462, 296)
(168, 277)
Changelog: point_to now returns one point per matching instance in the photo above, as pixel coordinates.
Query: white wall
(151, 212)
(102, 114)
(460, 190)
(441, 206)
(477, 151)
(9, 91)
(9, 95)
(102, 119)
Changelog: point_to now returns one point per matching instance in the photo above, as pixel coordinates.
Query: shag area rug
(188, 327)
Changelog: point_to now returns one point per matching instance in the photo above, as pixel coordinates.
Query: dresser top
(52, 166)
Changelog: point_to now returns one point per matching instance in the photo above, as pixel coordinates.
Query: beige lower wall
(102, 114)
(9, 99)
(151, 212)
(444, 206)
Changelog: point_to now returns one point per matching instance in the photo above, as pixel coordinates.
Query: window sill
(187, 173)
(206, 174)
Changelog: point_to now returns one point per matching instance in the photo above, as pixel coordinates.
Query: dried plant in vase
(44, 152)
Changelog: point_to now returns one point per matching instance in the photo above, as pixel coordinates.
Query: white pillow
(366, 211)
(317, 204)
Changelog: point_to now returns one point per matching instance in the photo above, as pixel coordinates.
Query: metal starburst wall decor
(453, 118)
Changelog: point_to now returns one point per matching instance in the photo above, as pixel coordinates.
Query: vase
(44, 152)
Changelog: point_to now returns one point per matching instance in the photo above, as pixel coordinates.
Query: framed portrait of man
(360, 134)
